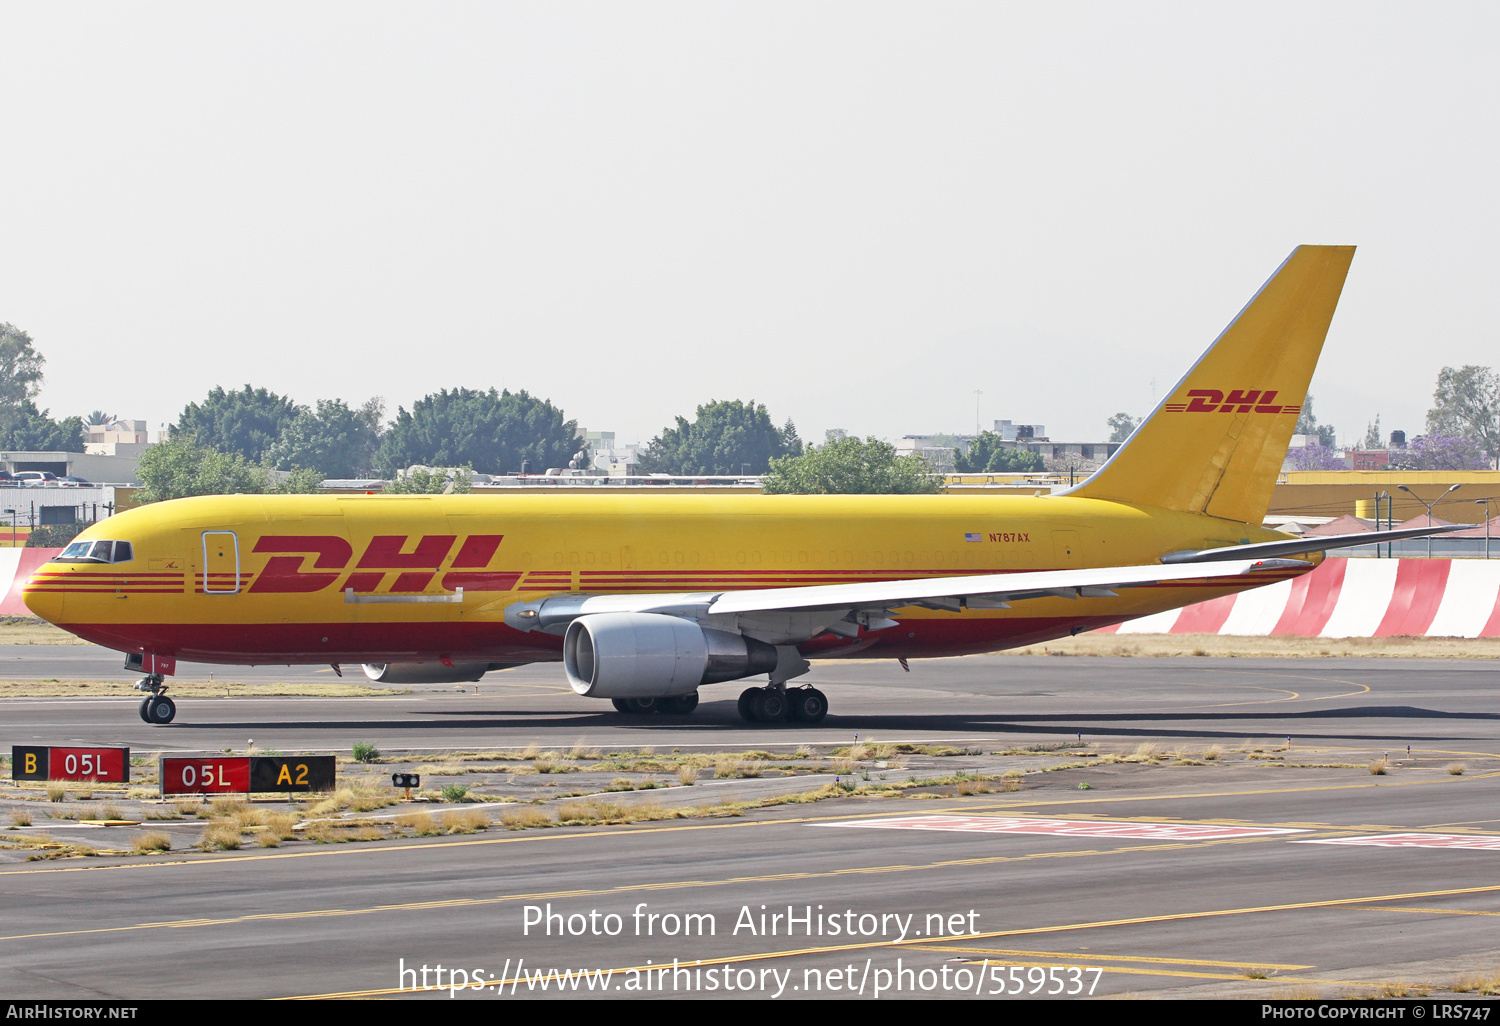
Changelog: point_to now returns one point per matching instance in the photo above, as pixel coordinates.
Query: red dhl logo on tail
(330, 555)
(1239, 400)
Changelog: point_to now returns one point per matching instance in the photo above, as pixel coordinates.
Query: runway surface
(1194, 879)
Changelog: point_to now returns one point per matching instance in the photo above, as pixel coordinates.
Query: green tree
(492, 432)
(245, 423)
(851, 466)
(1466, 404)
(988, 455)
(1120, 426)
(1307, 424)
(334, 440)
(98, 419)
(726, 437)
(23, 426)
(20, 367)
(432, 482)
(180, 467)
(1372, 435)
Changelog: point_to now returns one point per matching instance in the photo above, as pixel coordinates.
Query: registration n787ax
(645, 599)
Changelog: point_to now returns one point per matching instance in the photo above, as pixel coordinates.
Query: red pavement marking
(1479, 843)
(1068, 827)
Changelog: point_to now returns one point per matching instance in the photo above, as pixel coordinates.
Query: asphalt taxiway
(1278, 875)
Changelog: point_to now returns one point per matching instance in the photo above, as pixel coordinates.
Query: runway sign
(101, 765)
(292, 773)
(211, 774)
(247, 774)
(1418, 841)
(1069, 827)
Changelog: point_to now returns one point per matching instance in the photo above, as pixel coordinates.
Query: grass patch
(220, 837)
(465, 822)
(420, 824)
(56, 792)
(365, 751)
(152, 841)
(455, 792)
(525, 816)
(1456, 769)
(20, 818)
(1379, 767)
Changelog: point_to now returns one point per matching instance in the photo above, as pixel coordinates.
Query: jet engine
(652, 655)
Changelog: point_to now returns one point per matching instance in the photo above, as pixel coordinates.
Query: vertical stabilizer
(1216, 443)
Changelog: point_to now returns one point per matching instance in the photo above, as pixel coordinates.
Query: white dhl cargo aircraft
(645, 599)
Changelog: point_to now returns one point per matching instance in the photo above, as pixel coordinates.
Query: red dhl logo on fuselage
(414, 570)
(1239, 400)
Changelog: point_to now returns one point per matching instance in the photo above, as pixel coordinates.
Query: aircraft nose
(43, 602)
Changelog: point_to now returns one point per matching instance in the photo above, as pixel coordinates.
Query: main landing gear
(674, 705)
(773, 704)
(155, 707)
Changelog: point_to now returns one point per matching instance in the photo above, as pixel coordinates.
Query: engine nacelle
(429, 673)
(651, 655)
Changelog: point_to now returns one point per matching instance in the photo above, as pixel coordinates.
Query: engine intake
(651, 655)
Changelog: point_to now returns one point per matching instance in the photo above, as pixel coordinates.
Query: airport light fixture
(1429, 505)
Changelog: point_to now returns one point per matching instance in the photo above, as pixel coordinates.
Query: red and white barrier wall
(16, 565)
(1351, 598)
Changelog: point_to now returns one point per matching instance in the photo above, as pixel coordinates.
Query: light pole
(1486, 504)
(1429, 505)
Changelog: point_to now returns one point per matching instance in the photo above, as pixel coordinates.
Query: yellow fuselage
(334, 579)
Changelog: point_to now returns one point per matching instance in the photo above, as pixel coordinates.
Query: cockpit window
(95, 552)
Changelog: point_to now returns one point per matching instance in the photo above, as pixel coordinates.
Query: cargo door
(221, 563)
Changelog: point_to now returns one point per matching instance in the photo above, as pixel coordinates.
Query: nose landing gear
(156, 707)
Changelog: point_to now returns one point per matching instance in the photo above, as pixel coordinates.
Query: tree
(492, 432)
(24, 427)
(1120, 426)
(423, 481)
(335, 440)
(1440, 452)
(245, 423)
(987, 455)
(20, 367)
(180, 467)
(1307, 424)
(851, 466)
(1372, 435)
(1466, 403)
(98, 419)
(1314, 457)
(726, 437)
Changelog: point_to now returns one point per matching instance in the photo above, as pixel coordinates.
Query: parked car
(71, 480)
(35, 477)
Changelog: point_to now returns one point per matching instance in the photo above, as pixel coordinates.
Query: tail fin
(1216, 443)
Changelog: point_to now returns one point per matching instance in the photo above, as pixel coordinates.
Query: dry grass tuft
(1401, 989)
(220, 837)
(802, 752)
(1379, 767)
(110, 811)
(1477, 985)
(530, 752)
(421, 824)
(525, 816)
(1457, 769)
(222, 807)
(841, 766)
(56, 792)
(1213, 754)
(580, 750)
(153, 841)
(466, 822)
(191, 808)
(687, 774)
(1257, 974)
(247, 819)
(20, 818)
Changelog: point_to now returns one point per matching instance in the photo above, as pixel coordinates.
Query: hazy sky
(856, 213)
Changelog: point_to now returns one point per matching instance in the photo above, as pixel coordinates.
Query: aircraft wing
(834, 602)
(990, 589)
